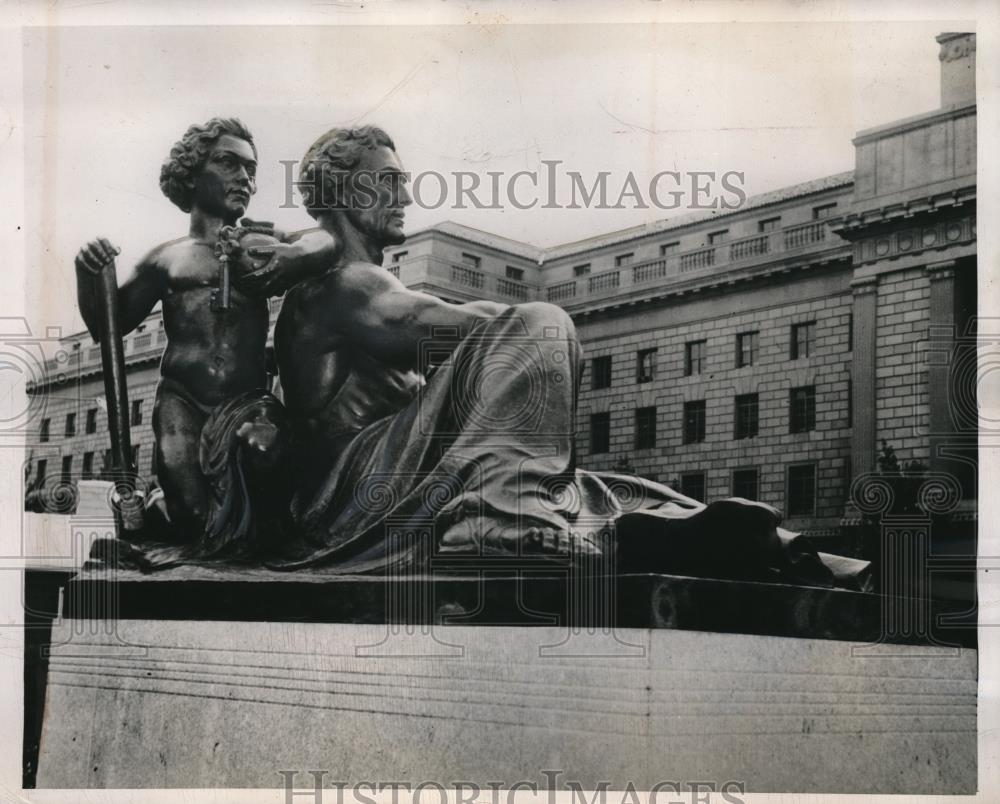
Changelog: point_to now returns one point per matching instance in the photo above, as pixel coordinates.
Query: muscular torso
(332, 387)
(215, 355)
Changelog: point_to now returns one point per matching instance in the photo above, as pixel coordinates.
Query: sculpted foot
(549, 541)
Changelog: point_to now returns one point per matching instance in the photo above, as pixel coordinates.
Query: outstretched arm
(376, 311)
(298, 256)
(136, 297)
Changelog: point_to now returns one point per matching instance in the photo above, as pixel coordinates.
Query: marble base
(183, 704)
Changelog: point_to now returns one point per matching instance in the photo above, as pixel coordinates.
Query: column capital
(945, 269)
(863, 285)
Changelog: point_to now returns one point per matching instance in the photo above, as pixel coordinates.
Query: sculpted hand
(272, 269)
(278, 266)
(96, 256)
(263, 441)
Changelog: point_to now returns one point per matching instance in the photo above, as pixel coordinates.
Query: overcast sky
(778, 102)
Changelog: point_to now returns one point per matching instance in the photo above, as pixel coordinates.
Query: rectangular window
(803, 340)
(136, 411)
(746, 349)
(745, 484)
(823, 211)
(471, 260)
(645, 428)
(135, 456)
(107, 464)
(670, 248)
(600, 372)
(718, 237)
(802, 409)
(399, 256)
(600, 433)
(66, 476)
(768, 224)
(694, 422)
(745, 416)
(581, 270)
(623, 259)
(694, 357)
(91, 421)
(801, 492)
(70, 424)
(517, 274)
(645, 365)
(88, 466)
(40, 471)
(43, 431)
(693, 485)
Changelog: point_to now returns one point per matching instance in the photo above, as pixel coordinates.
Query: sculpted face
(227, 180)
(377, 196)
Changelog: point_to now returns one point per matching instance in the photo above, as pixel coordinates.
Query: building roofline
(541, 256)
(482, 238)
(617, 236)
(961, 109)
(781, 195)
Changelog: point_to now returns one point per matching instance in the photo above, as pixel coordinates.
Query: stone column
(941, 354)
(863, 418)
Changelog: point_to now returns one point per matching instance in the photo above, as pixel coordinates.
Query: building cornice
(913, 123)
(86, 373)
(912, 236)
(857, 224)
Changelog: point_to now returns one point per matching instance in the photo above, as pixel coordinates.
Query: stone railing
(467, 276)
(696, 260)
(749, 247)
(805, 235)
(561, 292)
(648, 271)
(609, 280)
(512, 289)
(652, 273)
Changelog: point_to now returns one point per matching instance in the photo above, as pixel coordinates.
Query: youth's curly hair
(188, 156)
(329, 161)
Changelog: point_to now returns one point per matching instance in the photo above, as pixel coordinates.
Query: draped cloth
(480, 462)
(246, 513)
(241, 508)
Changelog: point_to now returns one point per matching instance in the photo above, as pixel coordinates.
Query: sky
(778, 102)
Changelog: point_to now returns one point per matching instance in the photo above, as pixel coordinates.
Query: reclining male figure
(399, 463)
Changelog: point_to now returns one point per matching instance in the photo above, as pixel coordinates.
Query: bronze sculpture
(212, 393)
(411, 415)
(416, 429)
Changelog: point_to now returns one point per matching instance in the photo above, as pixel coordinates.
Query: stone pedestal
(627, 696)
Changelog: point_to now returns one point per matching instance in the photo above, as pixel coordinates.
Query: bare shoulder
(350, 288)
(358, 279)
(160, 258)
(364, 274)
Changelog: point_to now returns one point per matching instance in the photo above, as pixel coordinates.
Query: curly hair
(189, 154)
(329, 161)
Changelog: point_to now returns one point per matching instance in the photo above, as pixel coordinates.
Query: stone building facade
(763, 352)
